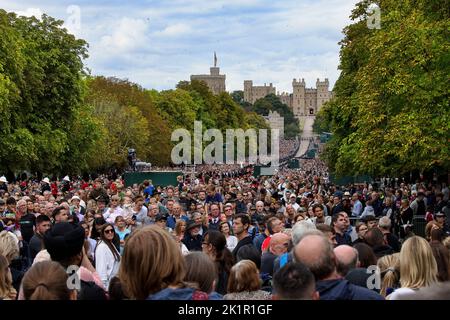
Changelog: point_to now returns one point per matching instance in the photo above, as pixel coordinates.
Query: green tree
(41, 71)
(120, 95)
(272, 103)
(390, 113)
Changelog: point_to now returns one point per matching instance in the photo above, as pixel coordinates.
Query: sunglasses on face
(109, 231)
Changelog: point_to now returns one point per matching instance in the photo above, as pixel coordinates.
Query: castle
(303, 101)
(253, 93)
(215, 81)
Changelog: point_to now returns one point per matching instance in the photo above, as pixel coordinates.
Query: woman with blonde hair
(7, 291)
(9, 248)
(244, 283)
(418, 267)
(153, 268)
(390, 273)
(47, 280)
(180, 228)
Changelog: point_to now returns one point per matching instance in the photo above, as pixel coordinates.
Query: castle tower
(214, 80)
(253, 93)
(298, 97)
(323, 93)
(248, 85)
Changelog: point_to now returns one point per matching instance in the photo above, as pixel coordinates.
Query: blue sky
(158, 43)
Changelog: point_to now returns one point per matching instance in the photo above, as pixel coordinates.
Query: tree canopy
(41, 92)
(55, 118)
(390, 112)
(272, 103)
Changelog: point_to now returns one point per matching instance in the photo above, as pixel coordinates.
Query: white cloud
(174, 30)
(29, 12)
(127, 36)
(159, 43)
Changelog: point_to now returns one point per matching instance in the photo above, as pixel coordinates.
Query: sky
(159, 43)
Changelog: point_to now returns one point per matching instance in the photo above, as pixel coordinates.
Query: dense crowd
(288, 148)
(225, 235)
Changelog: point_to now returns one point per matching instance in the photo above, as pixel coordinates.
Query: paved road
(307, 133)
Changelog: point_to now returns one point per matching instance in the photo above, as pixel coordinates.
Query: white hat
(46, 180)
(346, 193)
(3, 179)
(75, 198)
(66, 178)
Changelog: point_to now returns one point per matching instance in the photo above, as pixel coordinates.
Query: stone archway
(311, 111)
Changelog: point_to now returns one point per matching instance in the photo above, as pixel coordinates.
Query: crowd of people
(288, 148)
(226, 235)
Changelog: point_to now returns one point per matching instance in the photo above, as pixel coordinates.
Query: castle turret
(323, 94)
(248, 84)
(298, 97)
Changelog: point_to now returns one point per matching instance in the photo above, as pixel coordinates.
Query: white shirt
(184, 249)
(295, 205)
(111, 216)
(398, 294)
(105, 264)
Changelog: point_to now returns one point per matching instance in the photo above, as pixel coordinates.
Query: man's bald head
(279, 243)
(317, 254)
(279, 238)
(346, 258)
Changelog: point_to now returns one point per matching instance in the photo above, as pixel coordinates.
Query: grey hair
(300, 230)
(384, 223)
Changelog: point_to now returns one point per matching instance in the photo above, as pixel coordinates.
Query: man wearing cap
(76, 208)
(3, 183)
(229, 213)
(64, 243)
(260, 210)
(346, 195)
(45, 186)
(161, 221)
(98, 192)
(192, 238)
(65, 184)
(293, 202)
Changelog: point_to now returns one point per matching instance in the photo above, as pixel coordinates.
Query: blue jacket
(180, 294)
(341, 289)
(258, 241)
